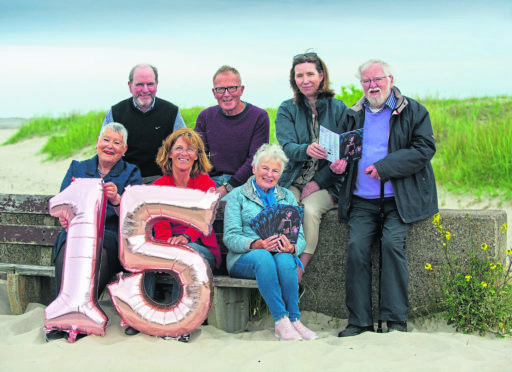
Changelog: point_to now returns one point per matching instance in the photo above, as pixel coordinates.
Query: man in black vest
(148, 119)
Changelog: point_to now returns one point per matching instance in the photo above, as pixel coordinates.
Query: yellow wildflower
(509, 251)
(428, 266)
(504, 227)
(468, 278)
(435, 221)
(493, 266)
(484, 246)
(500, 324)
(483, 284)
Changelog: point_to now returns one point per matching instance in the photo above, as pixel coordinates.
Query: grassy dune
(474, 137)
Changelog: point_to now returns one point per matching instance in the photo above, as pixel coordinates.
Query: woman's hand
(338, 166)
(178, 239)
(269, 244)
(284, 245)
(316, 151)
(64, 222)
(308, 189)
(110, 189)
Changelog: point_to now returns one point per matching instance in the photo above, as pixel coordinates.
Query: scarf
(268, 198)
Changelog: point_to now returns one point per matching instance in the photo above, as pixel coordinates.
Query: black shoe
(397, 326)
(130, 331)
(301, 291)
(183, 338)
(55, 334)
(353, 330)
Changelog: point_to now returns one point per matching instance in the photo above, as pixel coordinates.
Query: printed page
(330, 141)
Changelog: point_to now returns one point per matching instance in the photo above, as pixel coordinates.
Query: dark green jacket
(293, 123)
(411, 147)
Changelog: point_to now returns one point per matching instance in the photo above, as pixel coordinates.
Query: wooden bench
(27, 235)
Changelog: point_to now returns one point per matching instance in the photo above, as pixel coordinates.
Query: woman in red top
(184, 164)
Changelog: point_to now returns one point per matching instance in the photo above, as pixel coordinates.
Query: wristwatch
(228, 186)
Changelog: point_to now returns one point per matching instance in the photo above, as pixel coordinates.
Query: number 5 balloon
(141, 207)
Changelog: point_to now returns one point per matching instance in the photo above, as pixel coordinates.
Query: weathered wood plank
(39, 235)
(226, 281)
(24, 203)
(27, 269)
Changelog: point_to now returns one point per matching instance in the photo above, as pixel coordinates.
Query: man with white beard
(389, 188)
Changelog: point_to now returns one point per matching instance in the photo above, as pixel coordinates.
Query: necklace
(101, 173)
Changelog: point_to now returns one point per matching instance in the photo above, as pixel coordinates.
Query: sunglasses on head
(305, 55)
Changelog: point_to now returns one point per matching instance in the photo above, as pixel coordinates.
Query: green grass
(473, 136)
(474, 151)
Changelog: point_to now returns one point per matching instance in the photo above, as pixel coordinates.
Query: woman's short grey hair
(267, 151)
(365, 65)
(118, 128)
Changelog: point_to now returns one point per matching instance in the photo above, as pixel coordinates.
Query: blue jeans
(276, 275)
(219, 180)
(150, 277)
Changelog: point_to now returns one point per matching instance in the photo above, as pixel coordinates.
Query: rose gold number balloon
(141, 207)
(76, 308)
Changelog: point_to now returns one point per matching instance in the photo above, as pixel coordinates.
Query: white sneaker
(306, 333)
(285, 331)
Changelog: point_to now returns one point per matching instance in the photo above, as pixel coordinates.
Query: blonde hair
(192, 139)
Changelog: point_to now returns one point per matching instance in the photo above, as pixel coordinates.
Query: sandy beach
(430, 344)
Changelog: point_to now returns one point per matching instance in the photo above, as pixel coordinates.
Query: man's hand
(222, 191)
(308, 189)
(316, 151)
(338, 166)
(372, 172)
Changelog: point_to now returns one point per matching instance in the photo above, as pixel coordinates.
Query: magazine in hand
(280, 219)
(346, 146)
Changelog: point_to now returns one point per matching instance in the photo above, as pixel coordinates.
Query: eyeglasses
(188, 150)
(305, 55)
(376, 80)
(231, 89)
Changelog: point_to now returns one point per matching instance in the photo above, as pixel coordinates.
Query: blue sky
(63, 56)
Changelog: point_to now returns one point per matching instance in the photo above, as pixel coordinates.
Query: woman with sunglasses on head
(298, 122)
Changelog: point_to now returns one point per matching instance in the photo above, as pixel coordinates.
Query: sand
(430, 344)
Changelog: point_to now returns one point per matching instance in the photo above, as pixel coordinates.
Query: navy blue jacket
(411, 147)
(122, 174)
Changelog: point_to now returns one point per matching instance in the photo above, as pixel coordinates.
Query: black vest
(146, 132)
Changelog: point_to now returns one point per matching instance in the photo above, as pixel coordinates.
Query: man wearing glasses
(148, 119)
(389, 188)
(232, 131)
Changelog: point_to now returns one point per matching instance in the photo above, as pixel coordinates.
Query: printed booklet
(346, 146)
(278, 219)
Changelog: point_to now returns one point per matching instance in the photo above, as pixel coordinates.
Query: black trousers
(364, 229)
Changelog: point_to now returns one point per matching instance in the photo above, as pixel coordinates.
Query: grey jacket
(411, 147)
(293, 122)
